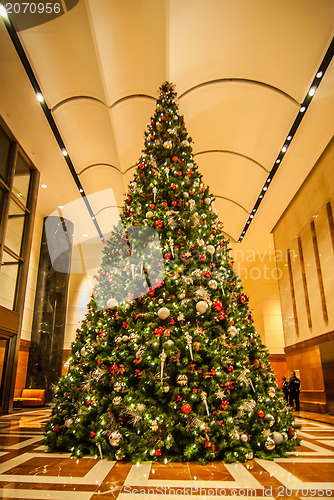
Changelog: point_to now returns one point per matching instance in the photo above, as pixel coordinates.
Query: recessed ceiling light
(39, 96)
(80, 190)
(44, 186)
(64, 152)
(302, 109)
(319, 74)
(312, 91)
(3, 11)
(289, 137)
(278, 161)
(284, 148)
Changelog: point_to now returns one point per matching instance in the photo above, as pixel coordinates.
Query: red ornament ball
(174, 186)
(158, 223)
(186, 408)
(158, 452)
(217, 305)
(175, 159)
(260, 413)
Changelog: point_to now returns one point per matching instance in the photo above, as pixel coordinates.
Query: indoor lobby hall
(208, 126)
(29, 471)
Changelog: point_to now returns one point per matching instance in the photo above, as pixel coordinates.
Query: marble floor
(28, 471)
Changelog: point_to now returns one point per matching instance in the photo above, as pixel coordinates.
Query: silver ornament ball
(112, 304)
(202, 306)
(163, 313)
(270, 444)
(244, 438)
(278, 438)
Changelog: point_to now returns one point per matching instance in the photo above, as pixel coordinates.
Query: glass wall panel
(15, 226)
(8, 278)
(21, 180)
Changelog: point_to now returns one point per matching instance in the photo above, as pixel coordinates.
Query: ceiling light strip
(39, 95)
(302, 110)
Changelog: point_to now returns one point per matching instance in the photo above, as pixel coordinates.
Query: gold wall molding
(325, 337)
(319, 272)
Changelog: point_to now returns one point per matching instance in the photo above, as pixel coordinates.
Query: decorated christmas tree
(167, 364)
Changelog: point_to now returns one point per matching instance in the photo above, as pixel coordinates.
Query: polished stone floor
(28, 471)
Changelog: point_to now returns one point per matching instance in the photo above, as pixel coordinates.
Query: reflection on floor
(28, 471)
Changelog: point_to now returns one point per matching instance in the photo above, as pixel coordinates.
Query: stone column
(49, 318)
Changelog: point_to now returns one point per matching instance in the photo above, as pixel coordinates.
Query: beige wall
(79, 296)
(309, 205)
(307, 291)
(258, 271)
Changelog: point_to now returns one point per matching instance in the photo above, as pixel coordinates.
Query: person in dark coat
(294, 389)
(285, 389)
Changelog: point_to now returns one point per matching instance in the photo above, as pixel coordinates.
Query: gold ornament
(235, 434)
(272, 392)
(182, 379)
(118, 386)
(154, 425)
(117, 400)
(119, 455)
(271, 419)
(114, 438)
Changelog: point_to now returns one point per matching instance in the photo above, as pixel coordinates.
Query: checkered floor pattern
(29, 471)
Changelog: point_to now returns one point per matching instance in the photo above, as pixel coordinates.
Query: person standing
(294, 389)
(285, 389)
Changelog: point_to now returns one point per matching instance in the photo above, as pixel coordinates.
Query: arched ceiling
(241, 69)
